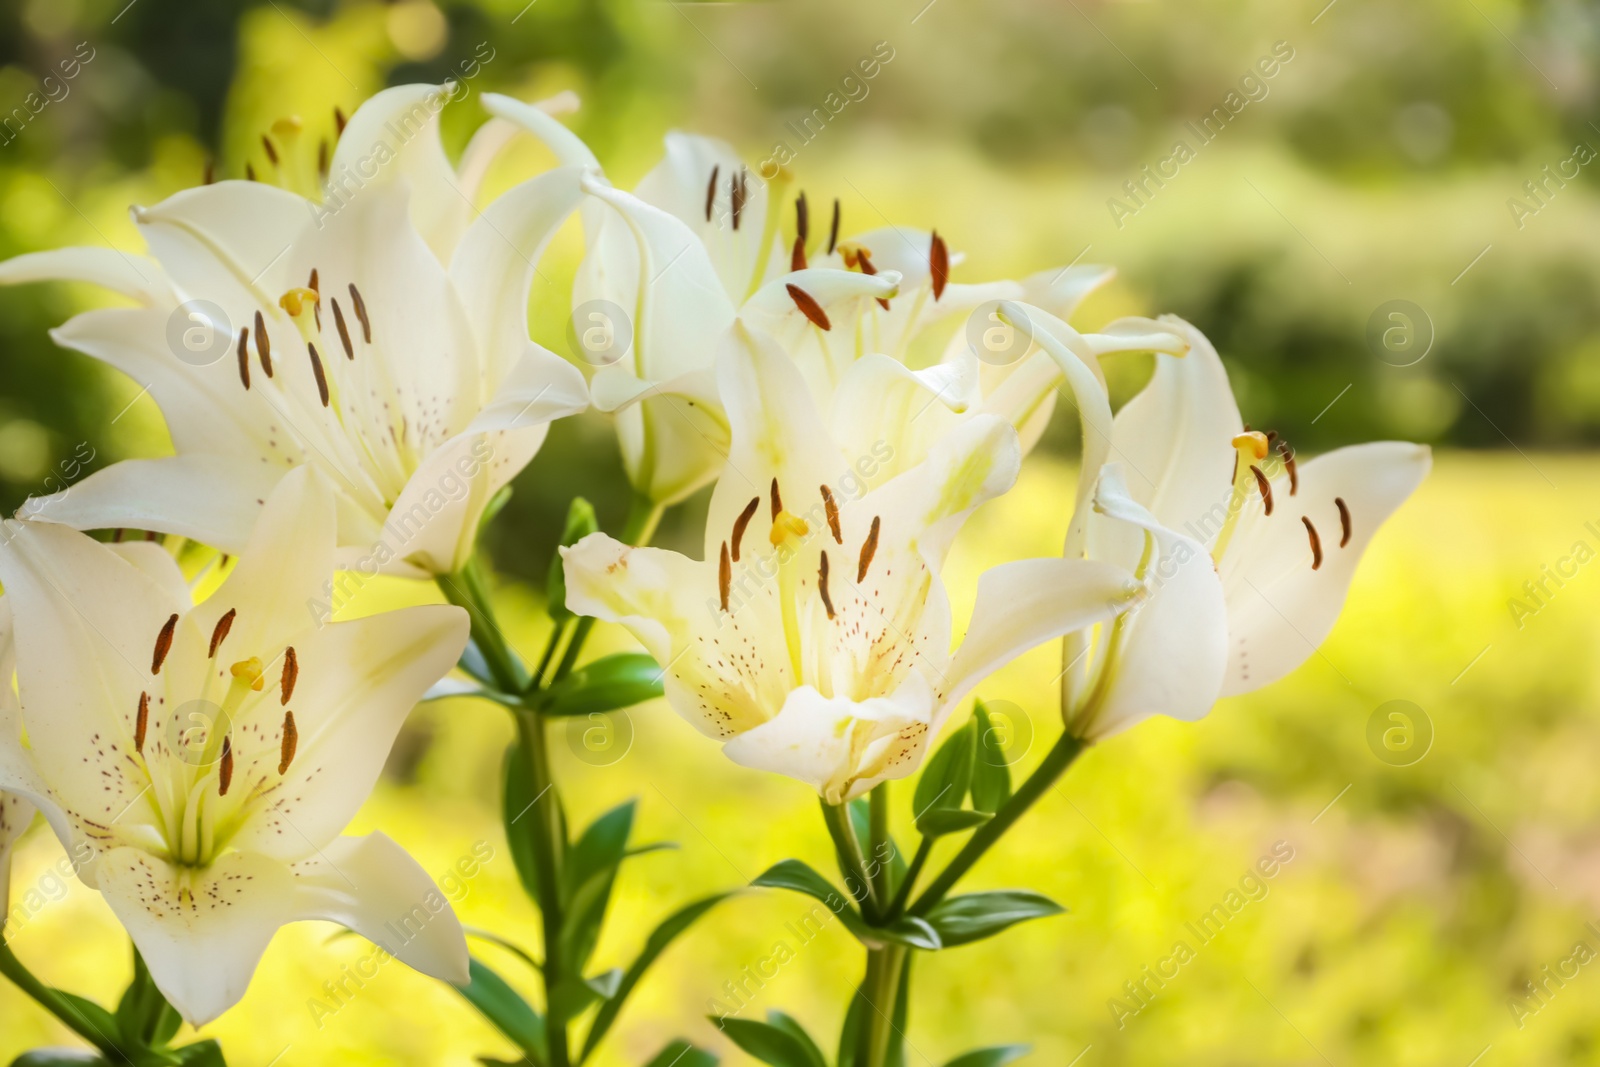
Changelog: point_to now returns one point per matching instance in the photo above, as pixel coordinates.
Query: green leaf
(98, 1019)
(496, 504)
(850, 1033)
(654, 946)
(861, 822)
(972, 917)
(201, 1054)
(605, 983)
(474, 663)
(590, 873)
(801, 878)
(506, 943)
(770, 1044)
(679, 1053)
(941, 821)
(581, 523)
(505, 1008)
(907, 930)
(897, 1025)
(57, 1057)
(991, 777)
(611, 682)
(520, 818)
(946, 776)
(790, 1025)
(998, 1056)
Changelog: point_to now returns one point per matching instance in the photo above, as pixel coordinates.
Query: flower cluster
(379, 390)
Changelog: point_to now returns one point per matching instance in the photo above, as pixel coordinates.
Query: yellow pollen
(297, 299)
(250, 671)
(1253, 444)
(787, 527)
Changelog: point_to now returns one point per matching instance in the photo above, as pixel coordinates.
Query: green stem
(878, 862)
(643, 517)
(919, 861)
(881, 988)
(57, 1005)
(468, 588)
(549, 841)
(1056, 761)
(837, 816)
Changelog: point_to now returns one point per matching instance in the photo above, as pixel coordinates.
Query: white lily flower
(376, 335)
(1247, 554)
(814, 637)
(206, 757)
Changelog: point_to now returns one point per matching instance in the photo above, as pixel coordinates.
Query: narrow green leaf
(907, 930)
(581, 522)
(946, 776)
(99, 1020)
(972, 917)
(991, 777)
(662, 936)
(506, 943)
(850, 1033)
(861, 821)
(940, 821)
(590, 874)
(902, 1012)
(770, 1044)
(58, 1057)
(611, 682)
(201, 1054)
(505, 1008)
(790, 1025)
(801, 878)
(998, 1056)
(520, 818)
(679, 1053)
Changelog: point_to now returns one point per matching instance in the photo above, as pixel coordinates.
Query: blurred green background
(1385, 159)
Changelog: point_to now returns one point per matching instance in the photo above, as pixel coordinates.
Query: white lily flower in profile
(206, 757)
(1247, 554)
(375, 334)
(814, 638)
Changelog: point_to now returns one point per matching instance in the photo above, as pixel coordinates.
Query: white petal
(539, 121)
(127, 273)
(210, 499)
(395, 136)
(839, 747)
(495, 262)
(201, 931)
(1023, 604)
(1280, 609)
(1061, 291)
(1173, 645)
(1175, 438)
(490, 139)
(888, 416)
(158, 565)
(358, 681)
(22, 791)
(373, 886)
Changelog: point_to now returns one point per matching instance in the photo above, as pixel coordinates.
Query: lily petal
(1280, 608)
(130, 274)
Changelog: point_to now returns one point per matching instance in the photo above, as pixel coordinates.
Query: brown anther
(339, 121)
(149, 535)
(219, 633)
(225, 768)
(312, 284)
(808, 307)
(1272, 435)
(802, 218)
(864, 258)
(741, 522)
(737, 191)
(833, 515)
(724, 577)
(869, 548)
(1344, 520)
(777, 501)
(163, 643)
(1288, 464)
(1265, 487)
(117, 535)
(1316, 543)
(938, 265)
(711, 190)
(291, 741)
(141, 725)
(322, 157)
(291, 673)
(244, 355)
(361, 313)
(263, 345)
(249, 173)
(344, 331)
(316, 368)
(797, 258)
(272, 153)
(210, 174)
(822, 584)
(833, 231)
